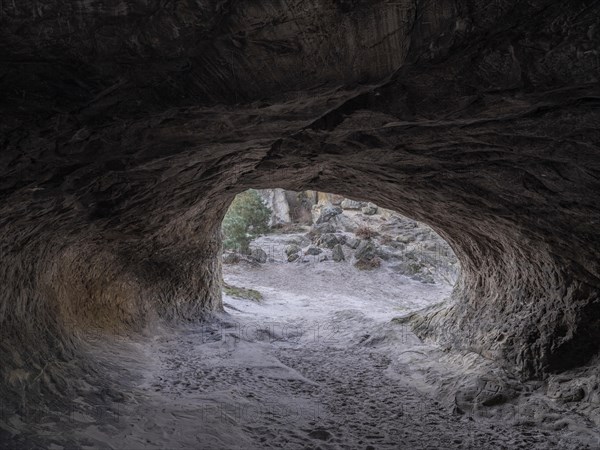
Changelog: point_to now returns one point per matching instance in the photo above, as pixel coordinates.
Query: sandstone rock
(426, 278)
(327, 198)
(398, 246)
(130, 157)
(276, 200)
(327, 213)
(351, 204)
(320, 434)
(328, 240)
(366, 250)
(387, 214)
(312, 250)
(315, 212)
(341, 222)
(338, 253)
(370, 209)
(387, 253)
(292, 249)
(259, 255)
(405, 239)
(300, 204)
(322, 228)
(366, 256)
(566, 390)
(482, 392)
(353, 243)
(408, 268)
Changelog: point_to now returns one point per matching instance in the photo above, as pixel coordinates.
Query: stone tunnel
(127, 127)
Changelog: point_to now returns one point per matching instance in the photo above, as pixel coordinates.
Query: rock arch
(123, 144)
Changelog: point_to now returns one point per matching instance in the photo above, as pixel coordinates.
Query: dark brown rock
(126, 132)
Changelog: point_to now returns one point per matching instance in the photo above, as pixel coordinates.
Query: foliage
(246, 219)
(242, 292)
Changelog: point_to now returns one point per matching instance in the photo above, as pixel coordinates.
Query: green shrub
(246, 219)
(242, 292)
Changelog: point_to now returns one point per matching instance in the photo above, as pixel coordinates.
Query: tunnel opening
(275, 226)
(123, 146)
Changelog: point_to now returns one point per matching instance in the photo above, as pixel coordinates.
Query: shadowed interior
(128, 127)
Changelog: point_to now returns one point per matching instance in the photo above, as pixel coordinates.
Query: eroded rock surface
(127, 127)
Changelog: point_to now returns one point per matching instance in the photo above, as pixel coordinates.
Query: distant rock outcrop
(351, 204)
(276, 200)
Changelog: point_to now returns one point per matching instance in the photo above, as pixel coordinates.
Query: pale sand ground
(316, 365)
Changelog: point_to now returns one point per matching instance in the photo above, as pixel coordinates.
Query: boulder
(366, 250)
(387, 253)
(327, 198)
(328, 212)
(475, 393)
(405, 239)
(367, 256)
(328, 240)
(342, 222)
(312, 250)
(338, 253)
(368, 264)
(370, 209)
(416, 270)
(259, 255)
(353, 243)
(322, 228)
(277, 202)
(564, 390)
(351, 204)
(292, 249)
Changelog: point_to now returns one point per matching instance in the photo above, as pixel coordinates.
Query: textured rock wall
(126, 128)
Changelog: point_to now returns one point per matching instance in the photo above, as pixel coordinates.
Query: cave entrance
(310, 254)
(315, 286)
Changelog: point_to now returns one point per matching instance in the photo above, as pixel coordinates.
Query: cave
(128, 127)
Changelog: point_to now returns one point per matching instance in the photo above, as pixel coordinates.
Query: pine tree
(246, 219)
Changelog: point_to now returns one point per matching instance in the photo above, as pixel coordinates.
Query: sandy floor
(317, 365)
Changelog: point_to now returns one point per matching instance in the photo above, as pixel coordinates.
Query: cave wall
(127, 127)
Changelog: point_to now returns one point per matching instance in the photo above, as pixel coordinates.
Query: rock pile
(373, 238)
